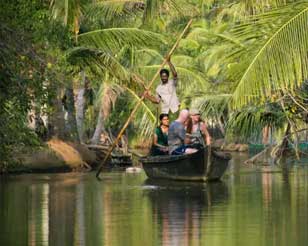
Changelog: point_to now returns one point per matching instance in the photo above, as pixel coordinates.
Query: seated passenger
(199, 135)
(160, 144)
(176, 136)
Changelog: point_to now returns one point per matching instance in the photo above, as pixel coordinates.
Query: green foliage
(18, 80)
(96, 60)
(238, 58)
(115, 38)
(249, 122)
(118, 116)
(29, 47)
(276, 54)
(115, 12)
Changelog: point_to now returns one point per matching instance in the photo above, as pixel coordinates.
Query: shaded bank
(55, 156)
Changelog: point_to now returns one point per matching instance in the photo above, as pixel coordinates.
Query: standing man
(166, 91)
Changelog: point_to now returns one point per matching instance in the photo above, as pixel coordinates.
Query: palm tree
(105, 102)
(108, 40)
(275, 54)
(227, 66)
(247, 59)
(266, 63)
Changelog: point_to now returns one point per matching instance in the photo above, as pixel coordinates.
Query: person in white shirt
(166, 91)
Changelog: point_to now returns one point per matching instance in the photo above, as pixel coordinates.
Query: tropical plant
(275, 54)
(238, 58)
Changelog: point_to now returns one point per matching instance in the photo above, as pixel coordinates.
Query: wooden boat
(199, 166)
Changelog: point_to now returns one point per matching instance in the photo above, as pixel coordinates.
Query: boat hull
(199, 166)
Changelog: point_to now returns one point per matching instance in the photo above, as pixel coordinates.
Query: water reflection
(264, 207)
(39, 215)
(79, 231)
(180, 209)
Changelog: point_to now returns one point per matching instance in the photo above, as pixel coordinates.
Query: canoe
(199, 166)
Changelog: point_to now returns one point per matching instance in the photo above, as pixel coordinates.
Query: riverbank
(59, 156)
(54, 156)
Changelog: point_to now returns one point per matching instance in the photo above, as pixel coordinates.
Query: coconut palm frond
(112, 9)
(189, 47)
(189, 77)
(107, 95)
(280, 62)
(151, 52)
(116, 38)
(67, 11)
(178, 22)
(146, 118)
(184, 61)
(98, 61)
(226, 37)
(177, 6)
(250, 121)
(213, 37)
(148, 56)
(251, 8)
(244, 124)
(199, 33)
(151, 10)
(154, 8)
(243, 9)
(212, 61)
(186, 76)
(232, 12)
(210, 105)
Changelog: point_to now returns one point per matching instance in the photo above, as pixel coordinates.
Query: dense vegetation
(74, 64)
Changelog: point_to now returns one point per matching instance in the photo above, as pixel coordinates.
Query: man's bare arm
(153, 99)
(172, 68)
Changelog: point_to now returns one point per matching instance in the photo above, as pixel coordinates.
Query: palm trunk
(71, 127)
(99, 127)
(57, 122)
(80, 106)
(108, 99)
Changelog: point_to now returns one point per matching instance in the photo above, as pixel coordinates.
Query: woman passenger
(160, 144)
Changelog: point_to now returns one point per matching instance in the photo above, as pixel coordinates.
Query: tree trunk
(108, 99)
(56, 126)
(71, 127)
(80, 106)
(265, 134)
(283, 146)
(99, 127)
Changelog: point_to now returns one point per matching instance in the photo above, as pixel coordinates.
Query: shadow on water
(180, 209)
(197, 193)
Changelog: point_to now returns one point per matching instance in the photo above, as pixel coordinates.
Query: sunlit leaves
(280, 59)
(115, 38)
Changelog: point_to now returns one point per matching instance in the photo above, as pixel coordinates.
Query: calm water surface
(251, 206)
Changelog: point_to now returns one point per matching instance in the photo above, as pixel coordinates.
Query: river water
(253, 205)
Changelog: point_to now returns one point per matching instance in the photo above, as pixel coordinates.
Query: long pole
(141, 99)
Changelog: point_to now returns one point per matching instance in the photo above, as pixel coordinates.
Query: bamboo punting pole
(141, 99)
